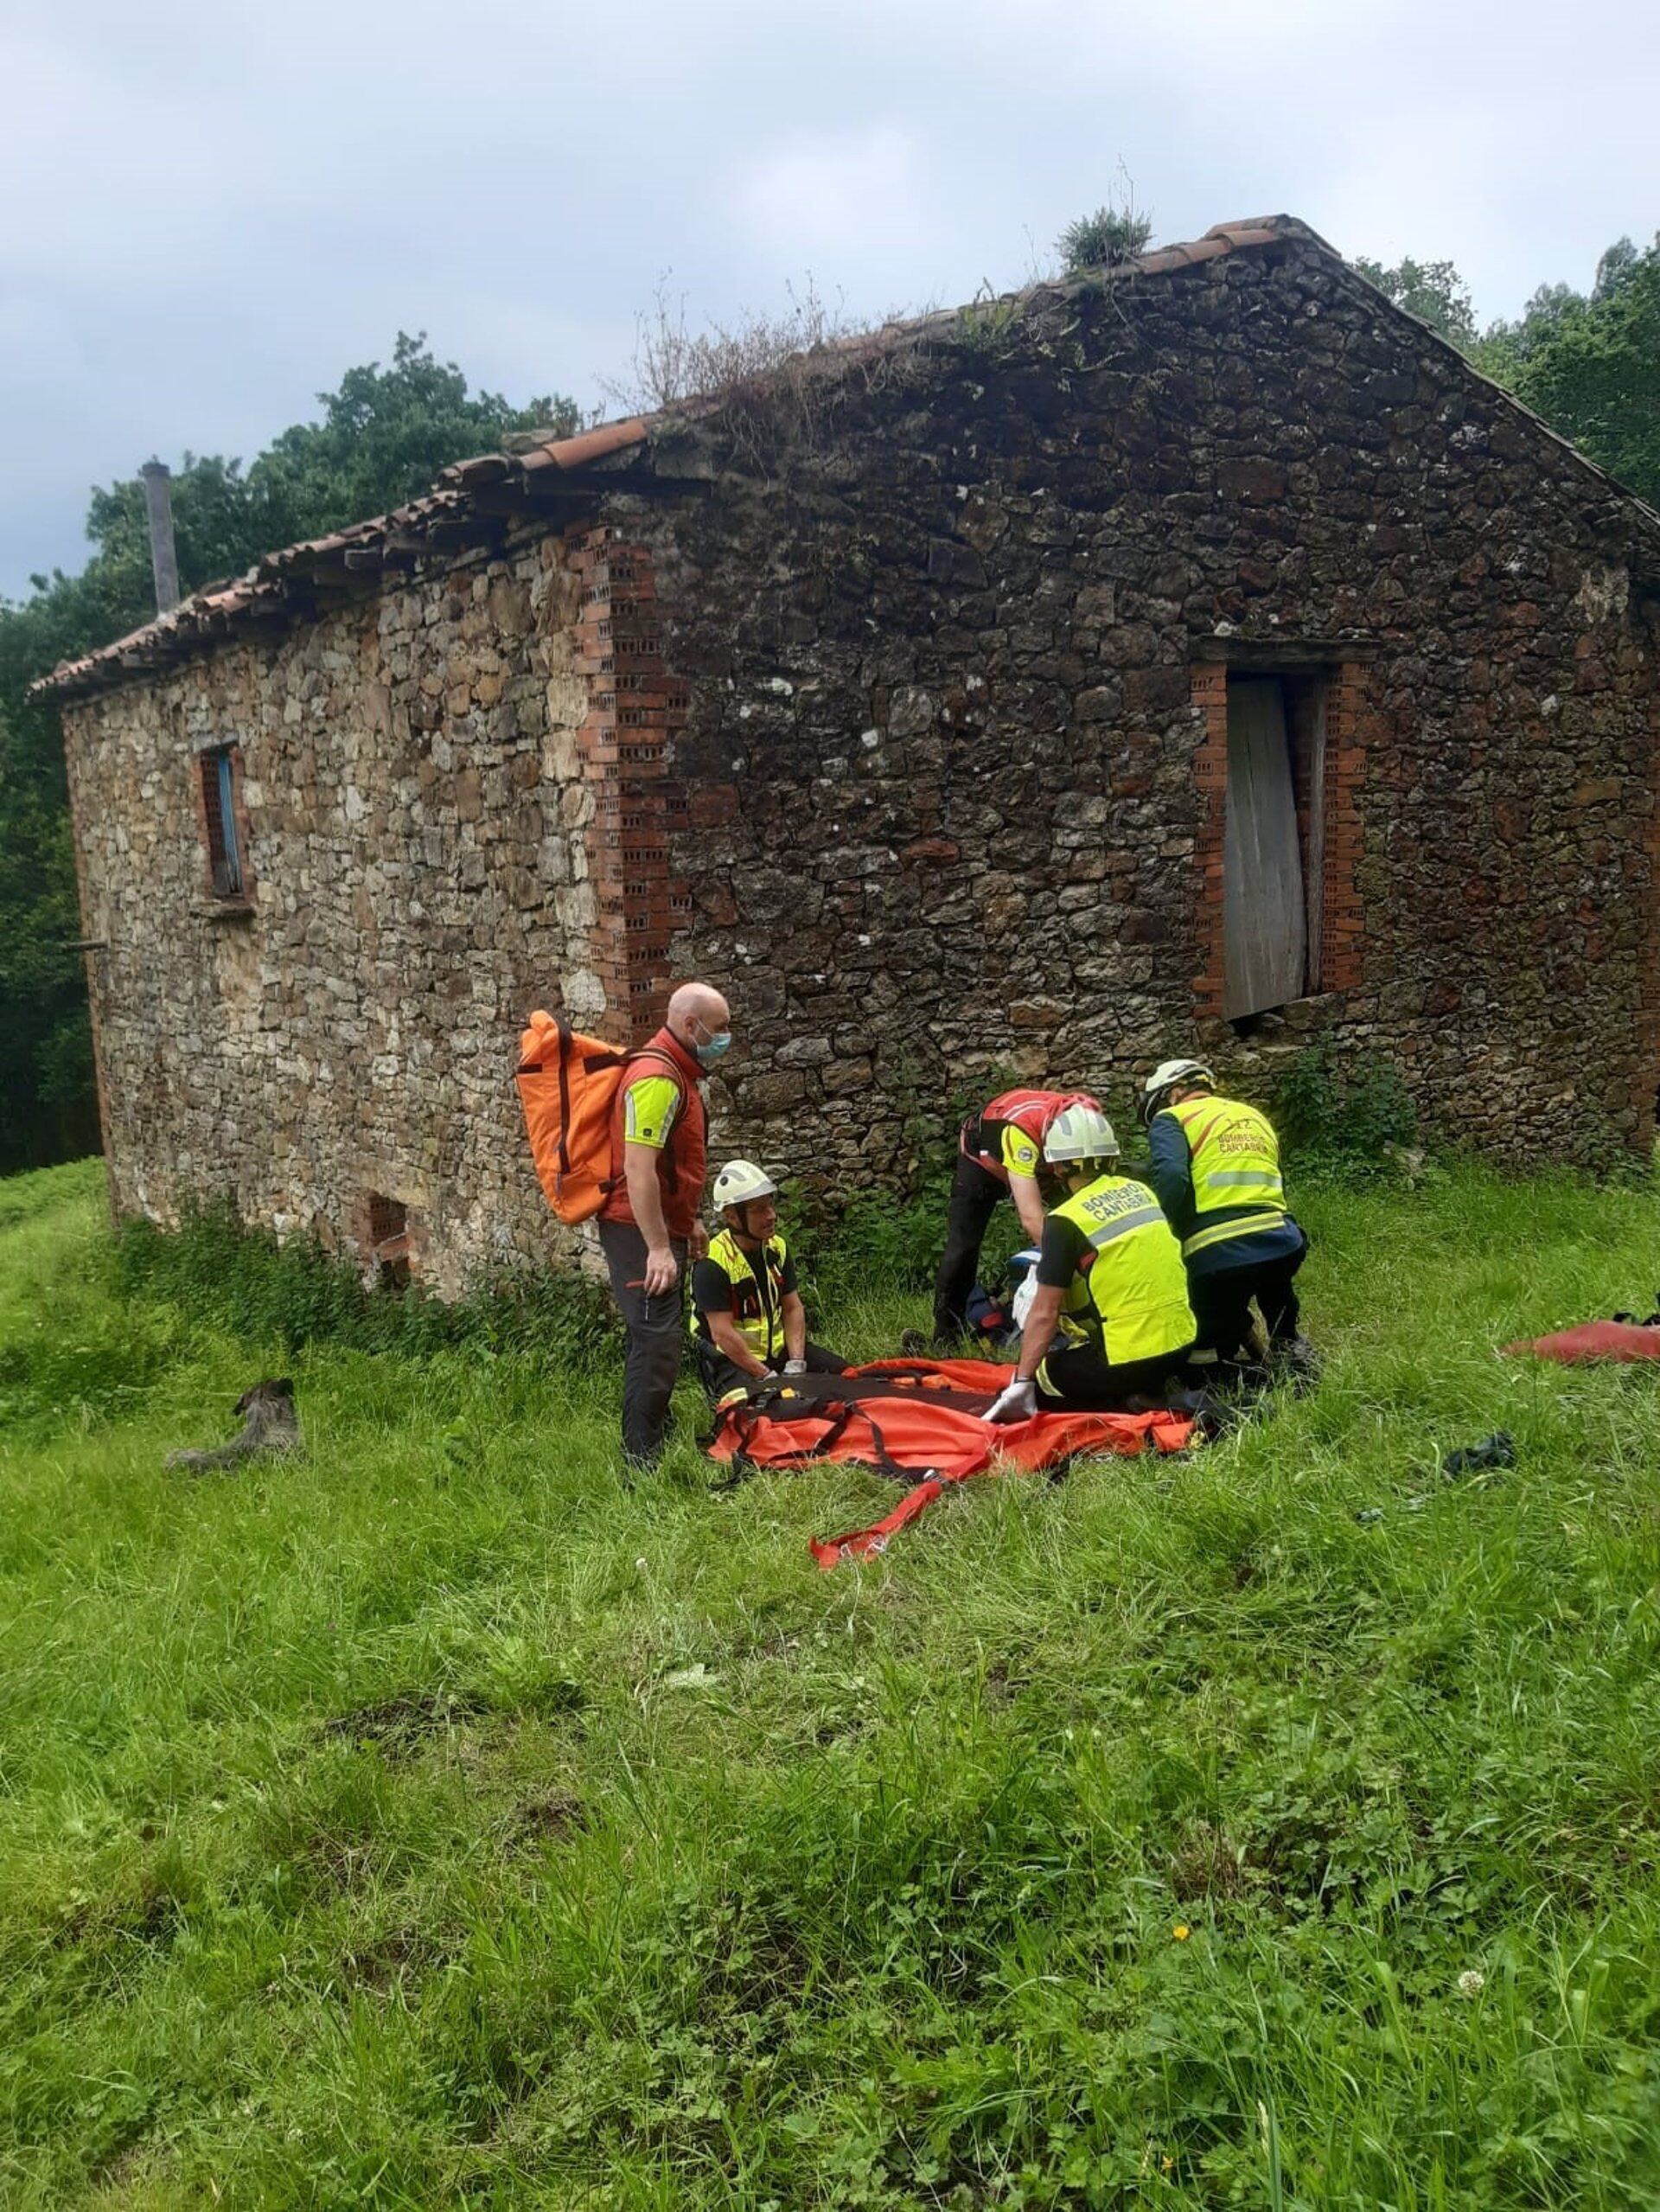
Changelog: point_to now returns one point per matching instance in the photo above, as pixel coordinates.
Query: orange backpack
(568, 1083)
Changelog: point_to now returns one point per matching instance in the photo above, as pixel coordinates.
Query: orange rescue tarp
(918, 1423)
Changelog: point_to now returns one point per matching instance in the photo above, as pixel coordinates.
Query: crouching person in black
(1110, 1284)
(747, 1320)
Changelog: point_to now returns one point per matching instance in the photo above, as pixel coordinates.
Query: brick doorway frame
(1331, 786)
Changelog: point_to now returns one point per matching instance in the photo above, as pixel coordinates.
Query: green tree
(383, 437)
(1620, 261)
(1594, 373)
(1503, 346)
(1432, 290)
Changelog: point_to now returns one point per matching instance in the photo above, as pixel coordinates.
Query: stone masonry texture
(891, 695)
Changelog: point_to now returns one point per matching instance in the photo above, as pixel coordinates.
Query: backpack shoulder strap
(677, 1075)
(670, 1166)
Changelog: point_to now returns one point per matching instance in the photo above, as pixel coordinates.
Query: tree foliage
(1594, 374)
(382, 437)
(1432, 290)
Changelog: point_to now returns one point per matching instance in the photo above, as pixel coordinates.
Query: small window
(388, 1220)
(219, 781)
(388, 1217)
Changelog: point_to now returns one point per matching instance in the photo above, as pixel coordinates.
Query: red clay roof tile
(587, 445)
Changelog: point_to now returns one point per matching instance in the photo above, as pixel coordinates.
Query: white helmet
(741, 1180)
(1080, 1132)
(1164, 1076)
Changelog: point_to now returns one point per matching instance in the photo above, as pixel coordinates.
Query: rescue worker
(649, 1227)
(1110, 1280)
(1216, 1166)
(998, 1152)
(747, 1316)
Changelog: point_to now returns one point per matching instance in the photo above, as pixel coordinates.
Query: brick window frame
(222, 825)
(1328, 715)
(389, 1239)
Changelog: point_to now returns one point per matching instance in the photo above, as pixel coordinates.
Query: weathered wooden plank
(1264, 930)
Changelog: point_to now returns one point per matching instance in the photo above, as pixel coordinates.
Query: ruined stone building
(1201, 656)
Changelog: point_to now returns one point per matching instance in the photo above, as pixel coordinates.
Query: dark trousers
(656, 1329)
(718, 1374)
(1221, 1305)
(1081, 1377)
(974, 1196)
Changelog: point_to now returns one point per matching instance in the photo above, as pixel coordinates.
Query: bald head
(698, 1003)
(697, 1012)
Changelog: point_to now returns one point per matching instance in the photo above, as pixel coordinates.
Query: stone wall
(893, 700)
(418, 811)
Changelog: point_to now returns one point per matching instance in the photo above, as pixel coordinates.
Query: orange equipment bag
(568, 1084)
(1593, 1341)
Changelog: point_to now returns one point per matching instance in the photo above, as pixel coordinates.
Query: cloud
(863, 192)
(213, 211)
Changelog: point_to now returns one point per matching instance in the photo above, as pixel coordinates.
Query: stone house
(1199, 656)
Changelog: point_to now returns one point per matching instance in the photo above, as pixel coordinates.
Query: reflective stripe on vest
(1248, 1225)
(1133, 1286)
(1235, 1162)
(1138, 1217)
(761, 1324)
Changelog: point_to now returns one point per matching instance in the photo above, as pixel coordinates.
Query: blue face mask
(712, 1046)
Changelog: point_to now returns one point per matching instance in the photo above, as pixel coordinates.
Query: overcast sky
(211, 210)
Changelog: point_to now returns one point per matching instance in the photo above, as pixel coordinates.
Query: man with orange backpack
(650, 1225)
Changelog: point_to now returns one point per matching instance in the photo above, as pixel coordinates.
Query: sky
(209, 212)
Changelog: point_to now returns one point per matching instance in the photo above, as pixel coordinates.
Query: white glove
(795, 1366)
(1018, 1402)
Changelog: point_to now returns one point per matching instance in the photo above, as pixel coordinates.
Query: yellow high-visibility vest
(759, 1323)
(1132, 1284)
(1235, 1156)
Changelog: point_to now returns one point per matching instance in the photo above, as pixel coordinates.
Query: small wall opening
(388, 1241)
(219, 772)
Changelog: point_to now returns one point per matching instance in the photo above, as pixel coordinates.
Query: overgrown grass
(434, 1821)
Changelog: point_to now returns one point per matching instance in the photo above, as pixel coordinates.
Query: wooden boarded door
(1265, 942)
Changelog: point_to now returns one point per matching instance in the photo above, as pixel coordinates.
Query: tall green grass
(434, 1821)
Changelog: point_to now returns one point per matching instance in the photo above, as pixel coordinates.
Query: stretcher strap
(802, 1396)
(1174, 1433)
(838, 1416)
(871, 1542)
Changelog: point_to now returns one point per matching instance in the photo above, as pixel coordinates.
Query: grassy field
(434, 1821)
